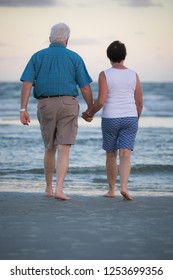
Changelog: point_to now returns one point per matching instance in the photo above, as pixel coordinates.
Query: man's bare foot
(61, 195)
(126, 195)
(49, 192)
(110, 194)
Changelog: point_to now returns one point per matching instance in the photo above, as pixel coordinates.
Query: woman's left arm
(138, 96)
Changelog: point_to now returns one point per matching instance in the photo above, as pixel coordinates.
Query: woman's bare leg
(124, 170)
(111, 171)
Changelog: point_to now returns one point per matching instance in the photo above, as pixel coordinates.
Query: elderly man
(55, 73)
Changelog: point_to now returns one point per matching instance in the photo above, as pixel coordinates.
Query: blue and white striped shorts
(119, 133)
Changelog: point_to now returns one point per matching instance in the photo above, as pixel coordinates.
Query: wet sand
(34, 227)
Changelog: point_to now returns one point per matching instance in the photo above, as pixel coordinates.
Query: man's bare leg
(111, 171)
(124, 170)
(49, 168)
(61, 170)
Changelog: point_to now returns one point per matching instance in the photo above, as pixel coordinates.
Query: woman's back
(121, 85)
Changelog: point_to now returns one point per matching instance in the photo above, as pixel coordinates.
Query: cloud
(2, 45)
(83, 41)
(141, 3)
(139, 33)
(30, 3)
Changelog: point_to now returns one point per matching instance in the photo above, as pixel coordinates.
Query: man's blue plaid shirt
(56, 70)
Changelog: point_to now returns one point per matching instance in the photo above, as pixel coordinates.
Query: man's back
(56, 70)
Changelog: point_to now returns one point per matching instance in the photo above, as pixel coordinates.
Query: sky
(144, 26)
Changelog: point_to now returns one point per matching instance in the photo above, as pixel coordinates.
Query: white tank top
(120, 101)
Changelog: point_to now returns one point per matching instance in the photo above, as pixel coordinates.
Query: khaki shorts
(58, 118)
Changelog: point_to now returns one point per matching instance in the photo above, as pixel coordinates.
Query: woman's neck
(118, 65)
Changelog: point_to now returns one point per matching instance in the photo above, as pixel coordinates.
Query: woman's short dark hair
(116, 51)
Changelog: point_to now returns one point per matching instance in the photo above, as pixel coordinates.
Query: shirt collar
(57, 45)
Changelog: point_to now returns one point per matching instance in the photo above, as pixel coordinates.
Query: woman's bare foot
(61, 195)
(110, 194)
(49, 192)
(126, 195)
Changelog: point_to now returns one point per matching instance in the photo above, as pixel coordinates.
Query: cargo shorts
(58, 118)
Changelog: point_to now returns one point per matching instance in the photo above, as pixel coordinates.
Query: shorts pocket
(42, 107)
(71, 107)
(42, 104)
(70, 101)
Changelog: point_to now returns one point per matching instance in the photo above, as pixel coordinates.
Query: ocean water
(21, 147)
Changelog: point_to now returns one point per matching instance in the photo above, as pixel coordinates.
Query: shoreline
(79, 189)
(35, 227)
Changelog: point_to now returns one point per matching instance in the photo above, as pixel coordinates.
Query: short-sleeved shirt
(56, 70)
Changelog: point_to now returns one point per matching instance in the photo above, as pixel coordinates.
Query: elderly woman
(120, 95)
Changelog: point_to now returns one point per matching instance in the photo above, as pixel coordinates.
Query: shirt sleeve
(82, 76)
(29, 74)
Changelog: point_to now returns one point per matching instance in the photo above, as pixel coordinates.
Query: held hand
(86, 117)
(24, 118)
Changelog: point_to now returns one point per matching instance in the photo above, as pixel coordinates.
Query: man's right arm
(87, 95)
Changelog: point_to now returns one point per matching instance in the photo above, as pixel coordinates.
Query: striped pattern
(119, 133)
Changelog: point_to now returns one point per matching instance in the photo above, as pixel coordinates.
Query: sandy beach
(34, 227)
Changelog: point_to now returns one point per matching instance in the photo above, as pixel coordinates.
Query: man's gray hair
(59, 33)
